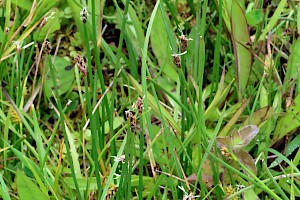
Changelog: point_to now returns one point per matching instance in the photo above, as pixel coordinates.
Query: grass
(149, 100)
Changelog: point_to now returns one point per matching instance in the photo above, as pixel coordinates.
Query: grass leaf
(273, 20)
(27, 189)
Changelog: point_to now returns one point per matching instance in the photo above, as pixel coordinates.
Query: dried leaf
(245, 135)
(245, 158)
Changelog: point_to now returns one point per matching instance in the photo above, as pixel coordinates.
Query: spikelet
(14, 116)
(111, 192)
(229, 190)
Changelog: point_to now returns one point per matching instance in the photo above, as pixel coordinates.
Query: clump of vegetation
(149, 100)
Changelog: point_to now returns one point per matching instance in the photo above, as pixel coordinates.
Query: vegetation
(149, 100)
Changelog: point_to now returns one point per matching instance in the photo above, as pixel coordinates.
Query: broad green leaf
(277, 102)
(293, 68)
(82, 183)
(117, 122)
(250, 195)
(161, 47)
(50, 27)
(212, 112)
(161, 145)
(298, 20)
(254, 17)
(3, 189)
(1, 35)
(240, 38)
(240, 107)
(32, 167)
(289, 121)
(260, 116)
(149, 183)
(22, 4)
(27, 190)
(263, 97)
(146, 179)
(64, 74)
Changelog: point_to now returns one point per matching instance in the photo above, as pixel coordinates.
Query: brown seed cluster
(130, 116)
(18, 45)
(111, 192)
(139, 105)
(184, 42)
(44, 21)
(176, 60)
(84, 14)
(225, 152)
(48, 46)
(81, 64)
(6, 31)
(184, 45)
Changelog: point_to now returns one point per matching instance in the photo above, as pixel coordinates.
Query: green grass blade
(273, 20)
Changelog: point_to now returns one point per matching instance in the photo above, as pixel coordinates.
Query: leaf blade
(26, 188)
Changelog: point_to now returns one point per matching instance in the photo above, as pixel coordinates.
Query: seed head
(84, 14)
(48, 46)
(6, 31)
(139, 105)
(133, 122)
(176, 60)
(44, 21)
(81, 64)
(14, 116)
(111, 192)
(184, 42)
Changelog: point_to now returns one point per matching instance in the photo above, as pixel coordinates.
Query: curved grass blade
(241, 107)
(291, 147)
(273, 20)
(211, 113)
